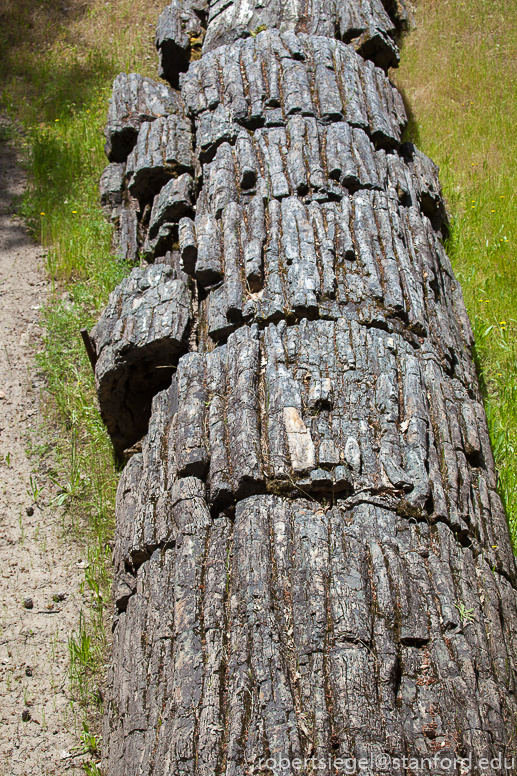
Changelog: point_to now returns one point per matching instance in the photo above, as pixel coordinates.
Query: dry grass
(53, 56)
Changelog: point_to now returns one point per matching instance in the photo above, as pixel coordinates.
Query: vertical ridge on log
(312, 562)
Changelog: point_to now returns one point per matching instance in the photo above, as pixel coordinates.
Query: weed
(90, 742)
(71, 486)
(85, 652)
(93, 583)
(261, 28)
(466, 615)
(34, 491)
(91, 769)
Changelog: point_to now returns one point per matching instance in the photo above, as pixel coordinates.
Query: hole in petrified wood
(128, 411)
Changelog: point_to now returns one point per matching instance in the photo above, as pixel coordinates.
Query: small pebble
(28, 671)
(26, 715)
(59, 597)
(28, 603)
(30, 511)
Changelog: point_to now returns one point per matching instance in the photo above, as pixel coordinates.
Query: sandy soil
(35, 561)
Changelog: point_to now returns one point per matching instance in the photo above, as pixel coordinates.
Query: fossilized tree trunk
(311, 557)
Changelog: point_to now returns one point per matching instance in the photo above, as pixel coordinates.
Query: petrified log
(312, 562)
(137, 341)
(135, 101)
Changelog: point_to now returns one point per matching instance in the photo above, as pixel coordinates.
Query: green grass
(56, 71)
(459, 75)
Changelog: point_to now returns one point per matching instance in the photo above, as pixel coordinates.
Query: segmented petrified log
(312, 563)
(135, 101)
(145, 325)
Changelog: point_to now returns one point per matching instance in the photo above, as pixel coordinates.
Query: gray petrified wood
(312, 562)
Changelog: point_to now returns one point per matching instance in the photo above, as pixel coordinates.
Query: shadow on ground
(43, 62)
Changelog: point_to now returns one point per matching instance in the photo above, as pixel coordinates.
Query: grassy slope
(459, 76)
(57, 71)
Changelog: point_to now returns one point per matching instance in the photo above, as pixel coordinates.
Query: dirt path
(34, 561)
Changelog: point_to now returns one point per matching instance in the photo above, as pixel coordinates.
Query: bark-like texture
(136, 100)
(138, 340)
(187, 27)
(312, 560)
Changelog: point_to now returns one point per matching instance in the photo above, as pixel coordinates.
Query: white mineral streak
(301, 446)
(353, 453)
